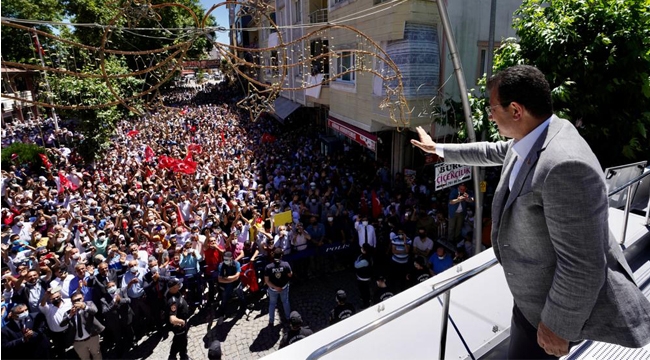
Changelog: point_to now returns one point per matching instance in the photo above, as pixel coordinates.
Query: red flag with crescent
(148, 154)
(46, 161)
(65, 183)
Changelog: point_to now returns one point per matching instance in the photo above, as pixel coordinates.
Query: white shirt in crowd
(362, 229)
(54, 315)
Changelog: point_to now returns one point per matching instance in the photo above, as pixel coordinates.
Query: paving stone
(246, 336)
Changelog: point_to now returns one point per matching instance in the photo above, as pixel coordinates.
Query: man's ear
(517, 110)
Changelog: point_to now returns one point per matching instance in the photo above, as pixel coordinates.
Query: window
(273, 29)
(322, 64)
(274, 62)
(344, 63)
(298, 11)
(481, 64)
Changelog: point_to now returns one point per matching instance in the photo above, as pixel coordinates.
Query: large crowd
(193, 205)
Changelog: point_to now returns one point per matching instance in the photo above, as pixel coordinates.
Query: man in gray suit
(567, 274)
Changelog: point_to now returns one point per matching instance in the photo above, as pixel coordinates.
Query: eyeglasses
(77, 300)
(488, 109)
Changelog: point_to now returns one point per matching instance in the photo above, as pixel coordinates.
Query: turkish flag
(268, 138)
(46, 161)
(148, 154)
(223, 139)
(65, 183)
(248, 277)
(195, 148)
(376, 205)
(166, 162)
(132, 133)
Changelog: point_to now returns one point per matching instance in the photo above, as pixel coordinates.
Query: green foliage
(451, 113)
(18, 46)
(596, 55)
(96, 125)
(27, 155)
(168, 17)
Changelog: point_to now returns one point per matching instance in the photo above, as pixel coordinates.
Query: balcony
(318, 16)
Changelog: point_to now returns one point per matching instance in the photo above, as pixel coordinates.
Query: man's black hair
(525, 85)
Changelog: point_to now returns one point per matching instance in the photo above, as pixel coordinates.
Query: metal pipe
(446, 298)
(629, 183)
(349, 337)
(626, 216)
(47, 83)
(647, 213)
(490, 49)
(469, 123)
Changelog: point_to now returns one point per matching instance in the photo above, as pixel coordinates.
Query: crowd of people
(193, 205)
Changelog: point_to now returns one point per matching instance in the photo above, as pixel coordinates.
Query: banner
(451, 174)
(282, 218)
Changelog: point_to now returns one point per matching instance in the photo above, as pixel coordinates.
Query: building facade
(348, 107)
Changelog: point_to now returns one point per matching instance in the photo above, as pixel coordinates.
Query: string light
(282, 58)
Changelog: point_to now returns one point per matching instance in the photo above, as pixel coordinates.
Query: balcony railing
(446, 288)
(318, 16)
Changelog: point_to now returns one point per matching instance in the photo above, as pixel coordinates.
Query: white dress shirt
(54, 315)
(522, 147)
(361, 230)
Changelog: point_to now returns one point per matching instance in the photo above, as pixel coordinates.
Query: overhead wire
(346, 18)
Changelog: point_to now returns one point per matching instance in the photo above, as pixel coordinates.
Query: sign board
(282, 218)
(483, 186)
(451, 174)
(366, 140)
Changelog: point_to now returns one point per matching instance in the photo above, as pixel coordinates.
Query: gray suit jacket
(552, 238)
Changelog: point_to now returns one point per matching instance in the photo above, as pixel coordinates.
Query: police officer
(343, 309)
(383, 292)
(276, 276)
(296, 330)
(179, 312)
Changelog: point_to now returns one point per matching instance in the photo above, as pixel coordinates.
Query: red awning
(359, 136)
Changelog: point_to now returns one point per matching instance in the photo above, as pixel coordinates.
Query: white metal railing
(630, 185)
(318, 16)
(445, 289)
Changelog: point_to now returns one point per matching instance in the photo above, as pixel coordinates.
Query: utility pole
(467, 111)
(39, 50)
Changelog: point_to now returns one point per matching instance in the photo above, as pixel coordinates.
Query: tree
(22, 48)
(168, 20)
(96, 125)
(596, 56)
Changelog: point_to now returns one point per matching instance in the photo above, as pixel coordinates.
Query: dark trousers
(58, 344)
(364, 291)
(523, 339)
(228, 289)
(179, 346)
(141, 311)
